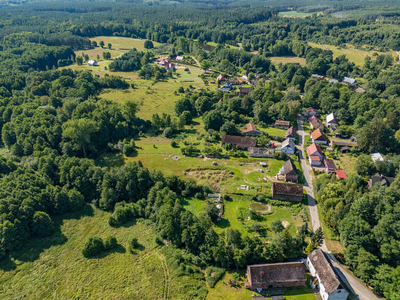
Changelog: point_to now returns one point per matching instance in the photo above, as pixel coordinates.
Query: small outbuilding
(282, 124)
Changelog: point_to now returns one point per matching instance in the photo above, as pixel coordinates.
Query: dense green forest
(54, 125)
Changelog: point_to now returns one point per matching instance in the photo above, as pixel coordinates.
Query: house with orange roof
(251, 130)
(315, 155)
(318, 137)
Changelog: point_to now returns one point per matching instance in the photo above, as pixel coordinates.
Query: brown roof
(240, 141)
(323, 268)
(330, 164)
(315, 122)
(250, 127)
(245, 90)
(283, 123)
(291, 132)
(291, 189)
(289, 168)
(317, 135)
(279, 272)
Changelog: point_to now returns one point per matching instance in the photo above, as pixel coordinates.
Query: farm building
(261, 152)
(287, 191)
(288, 274)
(288, 172)
(291, 133)
(221, 78)
(333, 81)
(330, 166)
(325, 278)
(288, 146)
(251, 129)
(349, 81)
(316, 123)
(282, 124)
(315, 155)
(340, 174)
(331, 120)
(226, 87)
(318, 137)
(238, 142)
(179, 58)
(317, 76)
(93, 63)
(377, 157)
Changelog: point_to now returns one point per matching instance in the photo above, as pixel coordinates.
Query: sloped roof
(349, 80)
(325, 271)
(289, 167)
(317, 135)
(291, 132)
(331, 118)
(289, 189)
(315, 122)
(313, 148)
(283, 123)
(310, 109)
(360, 90)
(330, 164)
(288, 142)
(279, 272)
(250, 127)
(241, 141)
(341, 174)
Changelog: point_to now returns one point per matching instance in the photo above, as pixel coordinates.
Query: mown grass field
(288, 60)
(98, 51)
(122, 43)
(293, 14)
(54, 268)
(354, 55)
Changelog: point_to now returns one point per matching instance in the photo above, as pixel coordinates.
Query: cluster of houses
(293, 274)
(351, 82)
(165, 63)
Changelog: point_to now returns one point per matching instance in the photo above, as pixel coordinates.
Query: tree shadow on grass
(33, 247)
(224, 223)
(117, 249)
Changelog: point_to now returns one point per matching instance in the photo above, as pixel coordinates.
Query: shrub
(42, 224)
(159, 241)
(181, 90)
(168, 132)
(110, 242)
(133, 244)
(174, 144)
(213, 275)
(93, 247)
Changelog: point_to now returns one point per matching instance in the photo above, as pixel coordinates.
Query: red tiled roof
(313, 148)
(341, 174)
(312, 118)
(318, 135)
(315, 158)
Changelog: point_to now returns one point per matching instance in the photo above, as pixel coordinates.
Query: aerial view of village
(229, 149)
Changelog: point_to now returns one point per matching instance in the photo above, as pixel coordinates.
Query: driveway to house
(353, 284)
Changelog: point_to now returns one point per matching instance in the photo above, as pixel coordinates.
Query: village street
(352, 283)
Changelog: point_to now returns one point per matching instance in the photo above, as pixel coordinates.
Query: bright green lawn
(122, 43)
(274, 131)
(54, 268)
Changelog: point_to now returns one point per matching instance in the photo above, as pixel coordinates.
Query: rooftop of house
(278, 272)
(313, 148)
(330, 164)
(341, 174)
(238, 140)
(291, 132)
(360, 90)
(349, 80)
(250, 127)
(383, 180)
(317, 134)
(310, 109)
(331, 118)
(323, 268)
(289, 167)
(290, 189)
(288, 143)
(283, 123)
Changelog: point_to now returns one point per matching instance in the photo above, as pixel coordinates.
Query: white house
(324, 277)
(93, 63)
(288, 146)
(331, 120)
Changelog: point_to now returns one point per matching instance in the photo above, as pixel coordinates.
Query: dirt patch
(285, 224)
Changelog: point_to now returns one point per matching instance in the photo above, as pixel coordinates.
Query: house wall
(281, 126)
(319, 142)
(314, 163)
(252, 133)
(288, 150)
(287, 197)
(339, 294)
(277, 284)
(292, 178)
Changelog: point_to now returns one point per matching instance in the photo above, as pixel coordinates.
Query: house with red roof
(315, 155)
(341, 174)
(251, 129)
(318, 137)
(291, 133)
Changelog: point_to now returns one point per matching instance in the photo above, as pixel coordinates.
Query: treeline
(132, 61)
(366, 222)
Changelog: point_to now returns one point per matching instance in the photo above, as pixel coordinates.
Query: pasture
(288, 60)
(123, 44)
(54, 268)
(354, 55)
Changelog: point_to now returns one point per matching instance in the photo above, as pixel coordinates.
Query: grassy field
(99, 51)
(355, 55)
(274, 131)
(54, 268)
(288, 60)
(293, 14)
(122, 43)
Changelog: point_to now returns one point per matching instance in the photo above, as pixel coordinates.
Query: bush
(94, 246)
(42, 224)
(133, 244)
(110, 242)
(159, 241)
(181, 90)
(168, 132)
(174, 144)
(213, 275)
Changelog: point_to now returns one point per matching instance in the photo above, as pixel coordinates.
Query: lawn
(54, 268)
(98, 51)
(122, 43)
(355, 55)
(293, 14)
(274, 131)
(288, 60)
(348, 162)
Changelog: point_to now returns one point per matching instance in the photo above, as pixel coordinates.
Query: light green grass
(288, 60)
(98, 51)
(122, 43)
(223, 291)
(354, 55)
(274, 131)
(54, 268)
(293, 14)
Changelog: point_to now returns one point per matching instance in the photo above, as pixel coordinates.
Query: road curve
(353, 284)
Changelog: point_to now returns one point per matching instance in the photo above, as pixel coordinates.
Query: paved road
(353, 284)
